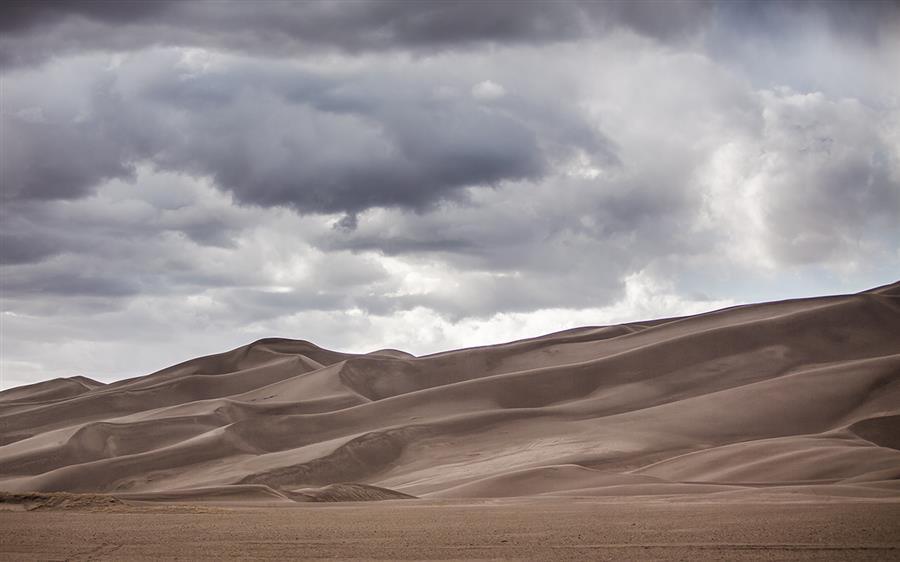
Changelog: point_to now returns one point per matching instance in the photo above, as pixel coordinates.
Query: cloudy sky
(180, 178)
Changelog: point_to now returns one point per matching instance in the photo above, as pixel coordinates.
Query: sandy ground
(631, 529)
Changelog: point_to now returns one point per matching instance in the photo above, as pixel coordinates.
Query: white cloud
(488, 91)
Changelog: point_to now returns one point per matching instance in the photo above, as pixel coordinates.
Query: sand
(793, 393)
(751, 405)
(532, 529)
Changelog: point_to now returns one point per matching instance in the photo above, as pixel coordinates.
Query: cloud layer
(183, 177)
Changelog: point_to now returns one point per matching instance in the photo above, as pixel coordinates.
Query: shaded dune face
(801, 394)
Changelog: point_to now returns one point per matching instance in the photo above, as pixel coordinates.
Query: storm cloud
(313, 139)
(37, 30)
(194, 175)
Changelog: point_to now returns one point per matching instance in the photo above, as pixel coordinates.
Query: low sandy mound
(213, 494)
(36, 500)
(262, 494)
(347, 493)
(774, 397)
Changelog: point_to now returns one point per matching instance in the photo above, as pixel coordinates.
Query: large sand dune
(795, 396)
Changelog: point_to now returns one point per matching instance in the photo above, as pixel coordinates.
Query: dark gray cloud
(36, 30)
(40, 29)
(17, 248)
(41, 160)
(162, 236)
(22, 17)
(285, 136)
(67, 282)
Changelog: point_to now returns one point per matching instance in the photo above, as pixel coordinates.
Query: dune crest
(792, 395)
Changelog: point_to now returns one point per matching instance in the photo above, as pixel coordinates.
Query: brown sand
(534, 529)
(794, 394)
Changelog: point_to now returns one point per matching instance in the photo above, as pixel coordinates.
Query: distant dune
(799, 396)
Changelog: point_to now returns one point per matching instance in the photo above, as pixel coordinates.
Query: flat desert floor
(571, 529)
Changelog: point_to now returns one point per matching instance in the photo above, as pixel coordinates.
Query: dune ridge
(801, 396)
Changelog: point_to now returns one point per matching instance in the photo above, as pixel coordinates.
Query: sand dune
(800, 395)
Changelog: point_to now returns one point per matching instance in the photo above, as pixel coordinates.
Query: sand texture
(792, 398)
(526, 529)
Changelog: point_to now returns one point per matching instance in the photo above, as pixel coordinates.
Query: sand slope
(792, 395)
